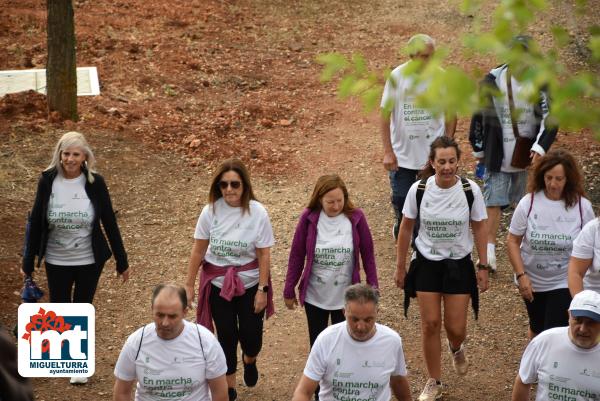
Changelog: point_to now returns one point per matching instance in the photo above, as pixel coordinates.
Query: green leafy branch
(575, 96)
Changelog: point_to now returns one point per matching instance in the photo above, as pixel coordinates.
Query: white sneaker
(459, 360)
(432, 391)
(79, 380)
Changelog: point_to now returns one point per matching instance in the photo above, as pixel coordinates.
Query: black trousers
(319, 318)
(62, 279)
(549, 309)
(235, 322)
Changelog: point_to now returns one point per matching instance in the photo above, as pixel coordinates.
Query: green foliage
(575, 96)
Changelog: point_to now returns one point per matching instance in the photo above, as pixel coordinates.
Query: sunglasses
(232, 184)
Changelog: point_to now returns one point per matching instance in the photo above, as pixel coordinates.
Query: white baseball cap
(586, 304)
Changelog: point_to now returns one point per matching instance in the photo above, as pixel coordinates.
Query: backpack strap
(140, 344)
(468, 193)
(420, 193)
(200, 339)
(531, 206)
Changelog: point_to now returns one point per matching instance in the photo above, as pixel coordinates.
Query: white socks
(491, 255)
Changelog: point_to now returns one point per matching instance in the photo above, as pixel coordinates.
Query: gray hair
(361, 293)
(418, 42)
(74, 139)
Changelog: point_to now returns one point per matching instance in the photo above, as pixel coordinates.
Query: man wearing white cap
(565, 361)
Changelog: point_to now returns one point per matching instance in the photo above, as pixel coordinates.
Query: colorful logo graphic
(56, 340)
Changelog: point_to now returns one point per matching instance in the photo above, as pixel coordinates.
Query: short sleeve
(583, 246)
(316, 365)
(478, 210)
(125, 366)
(264, 237)
(587, 211)
(400, 368)
(204, 223)
(518, 224)
(216, 365)
(530, 362)
(410, 204)
(389, 92)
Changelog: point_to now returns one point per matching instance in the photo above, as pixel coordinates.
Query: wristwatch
(263, 288)
(481, 266)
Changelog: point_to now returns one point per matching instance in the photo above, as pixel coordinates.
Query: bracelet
(518, 276)
(481, 266)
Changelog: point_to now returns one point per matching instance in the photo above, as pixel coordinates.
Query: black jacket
(485, 133)
(103, 211)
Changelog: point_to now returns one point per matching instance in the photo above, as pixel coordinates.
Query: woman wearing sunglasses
(232, 244)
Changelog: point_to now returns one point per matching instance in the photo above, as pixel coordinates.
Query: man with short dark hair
(565, 361)
(358, 358)
(171, 358)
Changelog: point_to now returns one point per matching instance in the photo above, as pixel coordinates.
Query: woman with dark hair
(71, 202)
(232, 244)
(331, 237)
(441, 269)
(540, 238)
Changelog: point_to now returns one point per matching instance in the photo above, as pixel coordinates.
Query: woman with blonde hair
(71, 204)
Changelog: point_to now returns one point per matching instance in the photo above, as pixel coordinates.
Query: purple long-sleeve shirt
(302, 252)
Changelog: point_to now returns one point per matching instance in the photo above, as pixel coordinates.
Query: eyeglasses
(232, 184)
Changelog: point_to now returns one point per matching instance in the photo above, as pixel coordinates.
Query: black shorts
(448, 276)
(549, 309)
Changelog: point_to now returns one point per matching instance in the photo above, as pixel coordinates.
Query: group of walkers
(553, 246)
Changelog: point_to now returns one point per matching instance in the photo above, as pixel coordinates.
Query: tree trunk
(61, 73)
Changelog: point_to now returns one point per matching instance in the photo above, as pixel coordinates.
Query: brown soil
(186, 84)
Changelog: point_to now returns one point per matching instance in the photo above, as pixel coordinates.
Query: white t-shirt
(548, 236)
(587, 246)
(234, 236)
(176, 369)
(444, 230)
(524, 111)
(563, 370)
(333, 263)
(412, 128)
(355, 370)
(70, 218)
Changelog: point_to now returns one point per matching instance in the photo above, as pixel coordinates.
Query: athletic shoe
(459, 360)
(78, 380)
(250, 373)
(432, 391)
(395, 230)
(232, 393)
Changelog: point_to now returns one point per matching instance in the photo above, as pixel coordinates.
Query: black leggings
(549, 309)
(318, 318)
(236, 321)
(61, 280)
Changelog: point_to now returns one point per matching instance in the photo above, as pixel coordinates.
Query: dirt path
(239, 77)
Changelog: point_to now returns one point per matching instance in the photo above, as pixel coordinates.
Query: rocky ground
(186, 84)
